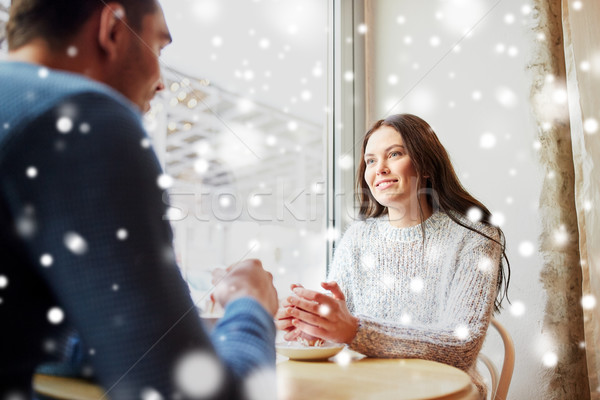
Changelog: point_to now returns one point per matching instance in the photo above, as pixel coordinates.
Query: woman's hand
(283, 321)
(320, 315)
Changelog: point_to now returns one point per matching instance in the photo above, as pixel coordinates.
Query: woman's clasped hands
(310, 315)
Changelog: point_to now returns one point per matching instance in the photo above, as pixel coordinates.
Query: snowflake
(217, 41)
(72, 51)
(332, 234)
(255, 200)
(56, 315)
(343, 359)
(75, 243)
(49, 346)
(485, 264)
(145, 143)
(261, 385)
(43, 72)
(84, 128)
(526, 249)
(561, 236)
(122, 234)
(64, 124)
(225, 200)
(585, 65)
(317, 70)
(199, 374)
(588, 302)
(487, 140)
(461, 332)
(46, 260)
(31, 172)
(346, 162)
(405, 319)
(590, 125)
(164, 181)
(174, 214)
(550, 359)
(517, 308)
(324, 310)
(264, 43)
(509, 19)
(271, 140)
(149, 393)
(306, 95)
(474, 214)
(26, 226)
(416, 285)
(497, 219)
(254, 245)
(506, 97)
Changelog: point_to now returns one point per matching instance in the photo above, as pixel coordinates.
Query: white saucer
(298, 351)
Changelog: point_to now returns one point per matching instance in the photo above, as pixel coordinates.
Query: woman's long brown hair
(443, 190)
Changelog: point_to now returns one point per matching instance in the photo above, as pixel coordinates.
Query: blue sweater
(73, 172)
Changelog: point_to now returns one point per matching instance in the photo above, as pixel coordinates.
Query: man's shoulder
(31, 90)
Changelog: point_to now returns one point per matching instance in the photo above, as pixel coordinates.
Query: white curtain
(582, 58)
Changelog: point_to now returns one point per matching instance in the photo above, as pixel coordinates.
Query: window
(242, 131)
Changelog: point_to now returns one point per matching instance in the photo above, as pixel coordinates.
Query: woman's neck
(409, 216)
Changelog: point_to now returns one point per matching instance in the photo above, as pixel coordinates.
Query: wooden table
(364, 379)
(372, 378)
(67, 388)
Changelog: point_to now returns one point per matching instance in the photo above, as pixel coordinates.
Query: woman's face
(389, 171)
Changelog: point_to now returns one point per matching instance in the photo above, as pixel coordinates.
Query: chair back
(501, 382)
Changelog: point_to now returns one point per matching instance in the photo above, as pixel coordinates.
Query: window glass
(240, 130)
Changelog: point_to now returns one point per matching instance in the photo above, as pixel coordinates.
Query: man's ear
(111, 28)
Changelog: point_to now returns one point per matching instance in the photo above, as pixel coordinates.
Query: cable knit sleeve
(456, 330)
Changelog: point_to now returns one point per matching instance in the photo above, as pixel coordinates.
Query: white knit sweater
(430, 299)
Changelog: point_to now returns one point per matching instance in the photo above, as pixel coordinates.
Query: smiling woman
(419, 276)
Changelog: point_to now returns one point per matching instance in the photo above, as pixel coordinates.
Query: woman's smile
(385, 183)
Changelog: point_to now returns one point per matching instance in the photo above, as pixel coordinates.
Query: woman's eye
(394, 153)
(370, 161)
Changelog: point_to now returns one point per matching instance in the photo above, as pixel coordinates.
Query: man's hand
(246, 278)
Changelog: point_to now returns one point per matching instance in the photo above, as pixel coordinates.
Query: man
(82, 240)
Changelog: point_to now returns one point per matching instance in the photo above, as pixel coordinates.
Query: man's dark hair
(58, 20)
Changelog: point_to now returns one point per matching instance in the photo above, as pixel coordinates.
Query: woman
(420, 275)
